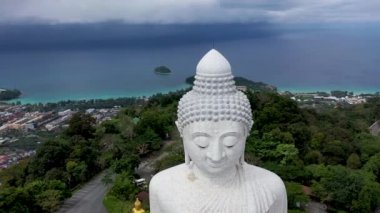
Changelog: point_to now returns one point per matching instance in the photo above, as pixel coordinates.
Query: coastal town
(20, 129)
(317, 98)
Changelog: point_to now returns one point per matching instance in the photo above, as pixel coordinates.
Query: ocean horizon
(145, 94)
(291, 60)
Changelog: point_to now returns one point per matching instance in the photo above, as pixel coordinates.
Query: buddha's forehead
(213, 128)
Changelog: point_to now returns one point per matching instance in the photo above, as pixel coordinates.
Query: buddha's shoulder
(261, 173)
(169, 176)
(265, 178)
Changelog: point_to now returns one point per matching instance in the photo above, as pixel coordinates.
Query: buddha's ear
(247, 132)
(241, 159)
(179, 129)
(187, 157)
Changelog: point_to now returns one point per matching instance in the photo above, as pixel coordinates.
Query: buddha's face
(214, 147)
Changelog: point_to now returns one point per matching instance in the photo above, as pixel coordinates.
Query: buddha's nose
(216, 153)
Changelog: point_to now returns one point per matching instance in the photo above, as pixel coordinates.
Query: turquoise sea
(321, 60)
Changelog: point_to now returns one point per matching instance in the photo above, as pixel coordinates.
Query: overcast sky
(190, 11)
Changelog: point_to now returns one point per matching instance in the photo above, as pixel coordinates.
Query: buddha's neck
(216, 179)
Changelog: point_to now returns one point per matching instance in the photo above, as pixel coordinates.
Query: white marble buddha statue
(214, 120)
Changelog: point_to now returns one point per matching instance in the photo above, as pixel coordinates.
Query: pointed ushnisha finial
(213, 64)
(214, 95)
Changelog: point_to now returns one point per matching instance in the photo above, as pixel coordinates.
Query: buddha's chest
(198, 198)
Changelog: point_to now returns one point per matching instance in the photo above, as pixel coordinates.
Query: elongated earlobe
(179, 129)
(187, 158)
(241, 160)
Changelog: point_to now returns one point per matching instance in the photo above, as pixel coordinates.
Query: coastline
(105, 95)
(356, 91)
(128, 94)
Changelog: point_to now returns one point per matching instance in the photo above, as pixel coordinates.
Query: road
(87, 199)
(315, 207)
(146, 167)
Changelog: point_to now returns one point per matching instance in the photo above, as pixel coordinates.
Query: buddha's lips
(215, 165)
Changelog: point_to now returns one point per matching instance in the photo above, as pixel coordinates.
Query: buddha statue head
(214, 118)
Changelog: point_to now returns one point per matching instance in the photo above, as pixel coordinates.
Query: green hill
(6, 95)
(251, 85)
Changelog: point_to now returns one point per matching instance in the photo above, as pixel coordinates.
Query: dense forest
(329, 152)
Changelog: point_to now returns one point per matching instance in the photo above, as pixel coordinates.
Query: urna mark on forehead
(214, 96)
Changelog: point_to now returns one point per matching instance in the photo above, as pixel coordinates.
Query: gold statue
(137, 208)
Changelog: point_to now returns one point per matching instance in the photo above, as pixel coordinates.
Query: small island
(162, 70)
(6, 94)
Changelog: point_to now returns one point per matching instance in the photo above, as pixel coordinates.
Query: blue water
(297, 61)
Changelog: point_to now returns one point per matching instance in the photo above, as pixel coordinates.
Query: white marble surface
(250, 190)
(214, 120)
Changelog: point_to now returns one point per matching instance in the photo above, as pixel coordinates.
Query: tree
(13, 200)
(159, 120)
(353, 161)
(52, 154)
(77, 172)
(369, 197)
(56, 174)
(271, 111)
(335, 152)
(290, 172)
(301, 135)
(111, 127)
(313, 157)
(43, 195)
(14, 175)
(263, 148)
(174, 157)
(150, 138)
(123, 187)
(373, 166)
(86, 151)
(49, 200)
(347, 188)
(295, 194)
(288, 153)
(81, 124)
(126, 126)
(317, 141)
(368, 145)
(127, 163)
(282, 136)
(317, 170)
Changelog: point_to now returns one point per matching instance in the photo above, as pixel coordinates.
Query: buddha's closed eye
(230, 140)
(201, 141)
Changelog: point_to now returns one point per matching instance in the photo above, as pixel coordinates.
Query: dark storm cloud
(189, 11)
(120, 35)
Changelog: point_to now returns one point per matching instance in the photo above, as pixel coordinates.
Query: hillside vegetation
(240, 81)
(330, 152)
